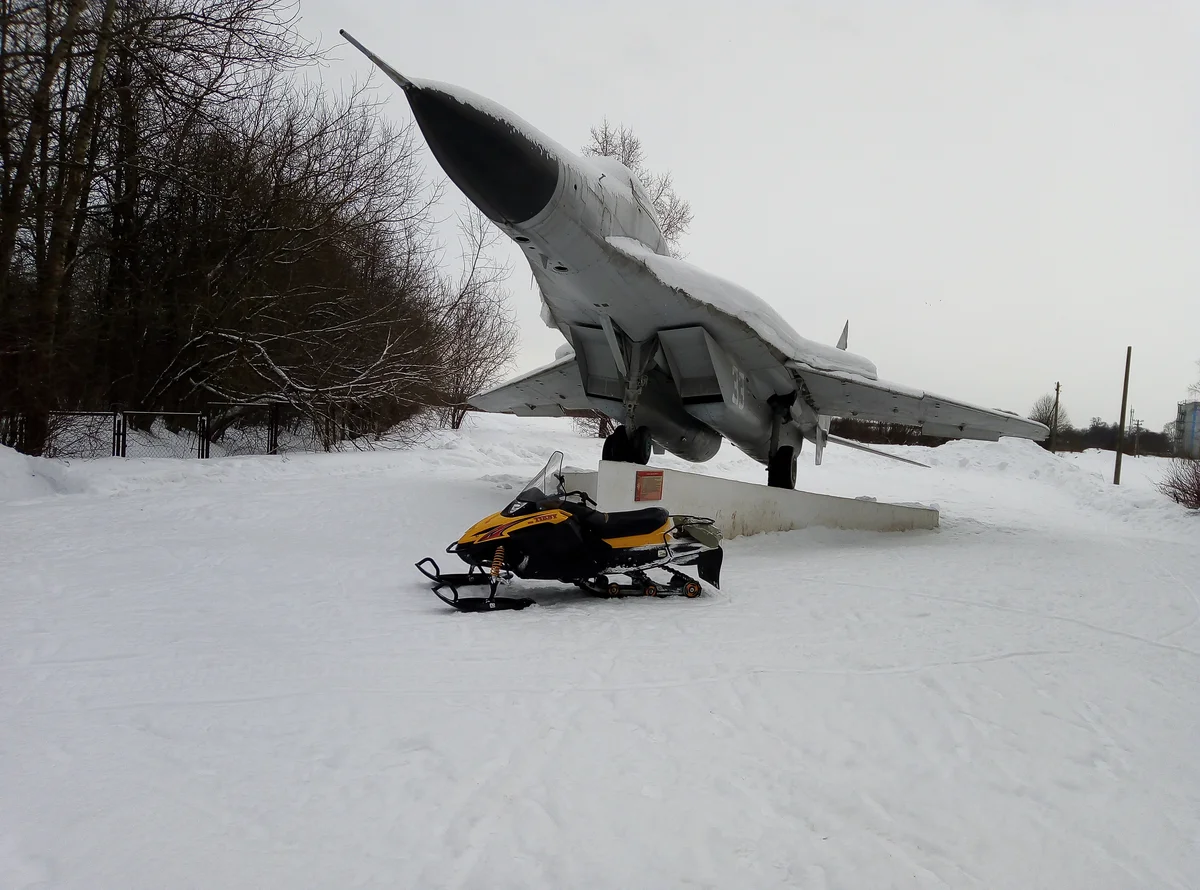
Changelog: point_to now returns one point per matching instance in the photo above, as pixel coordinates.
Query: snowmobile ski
(489, 603)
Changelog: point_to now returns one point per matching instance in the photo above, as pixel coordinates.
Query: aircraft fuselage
(562, 208)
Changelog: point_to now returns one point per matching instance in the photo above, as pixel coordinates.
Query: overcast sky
(998, 194)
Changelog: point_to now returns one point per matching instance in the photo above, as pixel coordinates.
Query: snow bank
(1085, 482)
(485, 444)
(1016, 471)
(1142, 473)
(18, 479)
(23, 477)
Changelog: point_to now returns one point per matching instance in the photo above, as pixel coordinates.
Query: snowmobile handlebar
(583, 496)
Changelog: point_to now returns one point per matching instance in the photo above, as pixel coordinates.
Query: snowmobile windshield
(542, 486)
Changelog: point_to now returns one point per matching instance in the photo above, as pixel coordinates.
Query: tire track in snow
(683, 682)
(1016, 610)
(1159, 566)
(502, 785)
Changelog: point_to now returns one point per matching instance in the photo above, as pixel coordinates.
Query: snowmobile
(549, 533)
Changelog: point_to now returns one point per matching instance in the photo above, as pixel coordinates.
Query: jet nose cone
(504, 172)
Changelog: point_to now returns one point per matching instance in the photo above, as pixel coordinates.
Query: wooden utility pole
(1121, 426)
(1054, 419)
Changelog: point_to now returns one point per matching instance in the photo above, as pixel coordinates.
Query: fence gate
(163, 434)
(245, 429)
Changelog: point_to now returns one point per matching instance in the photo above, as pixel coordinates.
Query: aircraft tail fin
(842, 340)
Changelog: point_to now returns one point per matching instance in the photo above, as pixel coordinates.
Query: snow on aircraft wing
(735, 302)
(549, 391)
(838, 382)
(849, 395)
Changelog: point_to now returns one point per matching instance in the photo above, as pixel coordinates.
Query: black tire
(616, 446)
(641, 445)
(781, 470)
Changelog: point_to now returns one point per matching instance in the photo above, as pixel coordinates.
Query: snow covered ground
(226, 673)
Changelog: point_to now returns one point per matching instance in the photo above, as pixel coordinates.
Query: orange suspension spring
(498, 561)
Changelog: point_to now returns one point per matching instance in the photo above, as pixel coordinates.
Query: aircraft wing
(848, 395)
(831, 380)
(549, 391)
(700, 296)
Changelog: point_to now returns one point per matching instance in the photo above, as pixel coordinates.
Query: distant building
(1187, 429)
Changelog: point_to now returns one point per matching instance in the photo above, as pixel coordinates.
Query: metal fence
(272, 428)
(85, 434)
(81, 434)
(233, 429)
(12, 429)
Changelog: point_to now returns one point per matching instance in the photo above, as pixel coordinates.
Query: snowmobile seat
(627, 523)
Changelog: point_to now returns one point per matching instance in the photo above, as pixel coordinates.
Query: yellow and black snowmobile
(549, 533)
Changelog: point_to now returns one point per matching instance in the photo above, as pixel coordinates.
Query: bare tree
(27, 81)
(309, 274)
(478, 326)
(1168, 433)
(88, 92)
(620, 142)
(1181, 482)
(1194, 389)
(1043, 411)
(593, 425)
(879, 433)
(183, 224)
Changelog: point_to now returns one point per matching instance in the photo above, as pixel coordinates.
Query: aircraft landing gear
(626, 448)
(615, 445)
(640, 446)
(633, 358)
(781, 469)
(781, 463)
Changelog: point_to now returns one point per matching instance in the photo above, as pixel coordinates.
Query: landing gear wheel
(781, 470)
(691, 589)
(640, 446)
(616, 445)
(614, 589)
(650, 589)
(626, 448)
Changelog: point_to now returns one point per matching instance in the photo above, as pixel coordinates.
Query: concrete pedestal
(741, 508)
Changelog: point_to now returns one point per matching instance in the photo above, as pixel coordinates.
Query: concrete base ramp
(742, 508)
